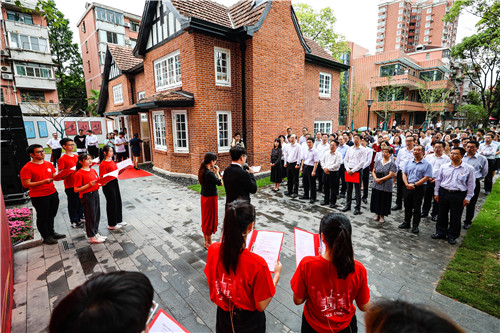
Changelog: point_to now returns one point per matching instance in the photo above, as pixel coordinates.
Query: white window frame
(428, 31)
(428, 17)
(175, 129)
(398, 39)
(20, 45)
(400, 18)
(400, 11)
(224, 148)
(426, 39)
(163, 81)
(141, 95)
(401, 4)
(428, 24)
(398, 33)
(397, 46)
(160, 142)
(118, 94)
(429, 10)
(325, 91)
(227, 82)
(321, 126)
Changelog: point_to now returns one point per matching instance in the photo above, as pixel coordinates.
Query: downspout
(243, 48)
(130, 81)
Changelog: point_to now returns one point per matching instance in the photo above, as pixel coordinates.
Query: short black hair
(462, 151)
(64, 141)
(237, 133)
(442, 143)
(474, 142)
(236, 152)
(89, 131)
(31, 148)
(358, 135)
(310, 139)
(455, 141)
(121, 133)
(336, 142)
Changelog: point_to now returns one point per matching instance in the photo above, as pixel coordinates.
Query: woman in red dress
(209, 178)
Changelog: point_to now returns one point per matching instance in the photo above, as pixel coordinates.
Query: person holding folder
(111, 191)
(239, 281)
(330, 283)
(354, 161)
(383, 177)
(86, 184)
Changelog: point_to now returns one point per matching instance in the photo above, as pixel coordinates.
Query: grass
(473, 276)
(222, 191)
(49, 151)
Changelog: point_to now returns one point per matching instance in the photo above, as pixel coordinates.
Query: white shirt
(311, 156)
(120, 148)
(436, 162)
(404, 156)
(54, 143)
(322, 148)
(331, 161)
(368, 157)
(488, 151)
(293, 153)
(91, 140)
(355, 158)
(284, 147)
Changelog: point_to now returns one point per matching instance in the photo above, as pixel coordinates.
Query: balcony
(35, 83)
(405, 80)
(399, 106)
(28, 108)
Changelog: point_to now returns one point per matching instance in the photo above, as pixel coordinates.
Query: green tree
(433, 100)
(92, 105)
(354, 98)
(474, 114)
(319, 26)
(389, 98)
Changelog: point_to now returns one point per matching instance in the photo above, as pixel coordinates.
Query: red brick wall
(126, 91)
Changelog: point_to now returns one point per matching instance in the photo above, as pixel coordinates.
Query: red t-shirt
(106, 167)
(250, 284)
(66, 162)
(329, 300)
(36, 173)
(83, 177)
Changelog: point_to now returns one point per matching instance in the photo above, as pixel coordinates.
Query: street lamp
(369, 103)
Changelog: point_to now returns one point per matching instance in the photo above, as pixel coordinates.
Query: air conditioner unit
(4, 53)
(6, 69)
(126, 24)
(7, 76)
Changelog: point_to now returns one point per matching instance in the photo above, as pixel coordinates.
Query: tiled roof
(240, 14)
(317, 50)
(124, 57)
(168, 96)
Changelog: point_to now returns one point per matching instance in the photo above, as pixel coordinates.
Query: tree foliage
(51, 113)
(474, 114)
(354, 100)
(93, 99)
(319, 26)
(433, 100)
(389, 98)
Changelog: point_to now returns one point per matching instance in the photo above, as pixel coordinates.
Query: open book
(164, 323)
(95, 161)
(124, 165)
(108, 177)
(61, 175)
(256, 168)
(307, 244)
(266, 244)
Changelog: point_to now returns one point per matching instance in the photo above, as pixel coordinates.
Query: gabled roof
(204, 9)
(319, 55)
(124, 57)
(244, 12)
(172, 98)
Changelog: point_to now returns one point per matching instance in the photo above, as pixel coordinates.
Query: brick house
(209, 71)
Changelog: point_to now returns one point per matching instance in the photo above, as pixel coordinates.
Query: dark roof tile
(172, 95)
(124, 57)
(317, 50)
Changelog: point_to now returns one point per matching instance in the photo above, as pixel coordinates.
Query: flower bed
(20, 220)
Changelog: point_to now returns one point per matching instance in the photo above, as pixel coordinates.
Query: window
(83, 27)
(34, 70)
(133, 42)
(28, 43)
(398, 32)
(401, 4)
(398, 39)
(19, 17)
(32, 96)
(168, 72)
(179, 127)
(431, 75)
(160, 137)
(325, 83)
(428, 24)
(429, 10)
(426, 39)
(111, 37)
(102, 57)
(397, 46)
(323, 127)
(141, 95)
(394, 69)
(134, 26)
(86, 47)
(118, 94)
(400, 11)
(427, 31)
(109, 16)
(399, 26)
(428, 17)
(88, 63)
(224, 131)
(427, 56)
(222, 66)
(400, 18)
(390, 96)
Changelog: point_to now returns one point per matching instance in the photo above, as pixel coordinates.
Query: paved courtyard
(163, 240)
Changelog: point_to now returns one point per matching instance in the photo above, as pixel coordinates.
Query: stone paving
(163, 240)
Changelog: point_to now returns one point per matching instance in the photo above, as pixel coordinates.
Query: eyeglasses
(39, 152)
(152, 312)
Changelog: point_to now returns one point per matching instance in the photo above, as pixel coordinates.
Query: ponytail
(337, 231)
(239, 215)
(81, 158)
(209, 157)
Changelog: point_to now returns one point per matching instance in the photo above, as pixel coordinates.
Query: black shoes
(404, 225)
(467, 226)
(357, 212)
(452, 241)
(324, 203)
(295, 195)
(424, 214)
(342, 195)
(49, 240)
(58, 236)
(332, 205)
(396, 207)
(312, 200)
(434, 218)
(287, 193)
(415, 230)
(364, 200)
(438, 236)
(345, 209)
(303, 197)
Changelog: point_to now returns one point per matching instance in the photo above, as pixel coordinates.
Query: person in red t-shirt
(239, 281)
(331, 282)
(37, 175)
(86, 184)
(66, 162)
(111, 191)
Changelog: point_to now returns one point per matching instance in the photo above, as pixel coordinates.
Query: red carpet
(132, 173)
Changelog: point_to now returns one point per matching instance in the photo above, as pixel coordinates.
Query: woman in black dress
(276, 171)
(383, 177)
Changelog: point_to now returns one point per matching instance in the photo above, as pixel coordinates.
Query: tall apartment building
(26, 60)
(407, 25)
(100, 25)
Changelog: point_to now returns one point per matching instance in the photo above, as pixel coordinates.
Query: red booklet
(354, 178)
(306, 244)
(163, 323)
(266, 244)
(61, 175)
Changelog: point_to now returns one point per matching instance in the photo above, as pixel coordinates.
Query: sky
(359, 26)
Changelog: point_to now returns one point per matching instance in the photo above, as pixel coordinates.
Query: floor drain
(67, 246)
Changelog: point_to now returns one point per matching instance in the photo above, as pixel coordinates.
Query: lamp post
(369, 103)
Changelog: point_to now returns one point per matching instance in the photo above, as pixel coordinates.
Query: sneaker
(116, 227)
(96, 240)
(122, 224)
(98, 235)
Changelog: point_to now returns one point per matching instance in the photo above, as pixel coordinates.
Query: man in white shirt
(331, 161)
(56, 148)
(436, 160)
(127, 140)
(92, 144)
(318, 139)
(322, 148)
(293, 157)
(366, 168)
(353, 162)
(120, 147)
(308, 169)
(303, 138)
(342, 149)
(488, 149)
(404, 155)
(480, 165)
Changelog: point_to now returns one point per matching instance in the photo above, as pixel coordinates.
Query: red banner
(95, 126)
(6, 272)
(84, 125)
(70, 127)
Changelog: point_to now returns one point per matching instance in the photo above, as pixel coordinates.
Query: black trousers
(400, 188)
(429, 200)
(56, 154)
(357, 188)
(331, 186)
(488, 180)
(366, 180)
(319, 176)
(343, 186)
(46, 210)
(352, 328)
(292, 174)
(413, 204)
(75, 208)
(113, 202)
(309, 182)
(127, 153)
(469, 209)
(450, 205)
(93, 150)
(92, 208)
(121, 156)
(242, 321)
